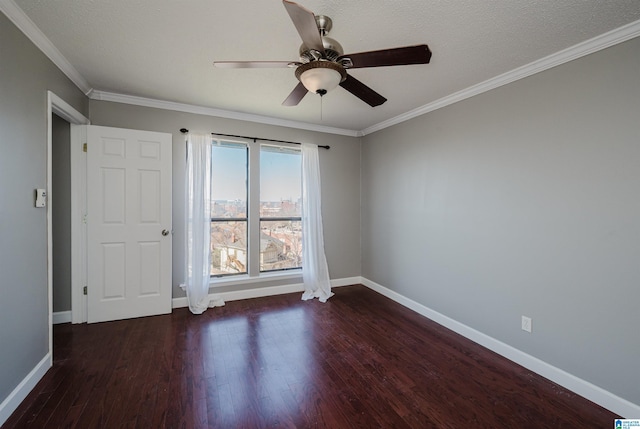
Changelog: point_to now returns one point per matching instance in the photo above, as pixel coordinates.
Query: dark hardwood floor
(358, 361)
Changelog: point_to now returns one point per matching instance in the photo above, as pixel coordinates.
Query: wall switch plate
(526, 324)
(41, 197)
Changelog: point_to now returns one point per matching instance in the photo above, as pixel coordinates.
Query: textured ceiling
(164, 49)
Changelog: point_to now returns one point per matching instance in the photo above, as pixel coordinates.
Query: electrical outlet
(526, 324)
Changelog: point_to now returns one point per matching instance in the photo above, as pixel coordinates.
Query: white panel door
(128, 223)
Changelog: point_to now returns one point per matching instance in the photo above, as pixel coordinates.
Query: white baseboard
(258, 292)
(14, 399)
(347, 281)
(602, 397)
(61, 317)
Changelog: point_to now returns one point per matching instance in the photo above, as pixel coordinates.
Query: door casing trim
(60, 107)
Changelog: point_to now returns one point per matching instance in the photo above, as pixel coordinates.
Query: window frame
(253, 221)
(227, 143)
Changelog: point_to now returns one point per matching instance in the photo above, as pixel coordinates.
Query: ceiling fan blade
(362, 91)
(305, 22)
(419, 54)
(254, 64)
(296, 95)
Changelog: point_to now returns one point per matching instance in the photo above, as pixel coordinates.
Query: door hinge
(84, 147)
(84, 290)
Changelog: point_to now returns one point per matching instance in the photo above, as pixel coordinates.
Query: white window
(229, 208)
(256, 209)
(280, 208)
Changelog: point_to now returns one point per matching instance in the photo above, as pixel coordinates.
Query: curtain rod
(184, 131)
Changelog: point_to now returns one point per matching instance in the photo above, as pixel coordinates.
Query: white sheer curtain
(198, 217)
(315, 272)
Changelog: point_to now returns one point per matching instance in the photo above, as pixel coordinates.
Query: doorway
(64, 111)
(61, 218)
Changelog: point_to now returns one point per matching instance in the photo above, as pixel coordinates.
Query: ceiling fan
(323, 65)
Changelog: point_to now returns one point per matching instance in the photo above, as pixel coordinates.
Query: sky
(280, 174)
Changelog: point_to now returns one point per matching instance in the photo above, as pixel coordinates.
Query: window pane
(228, 247)
(280, 182)
(229, 180)
(280, 244)
(281, 201)
(229, 201)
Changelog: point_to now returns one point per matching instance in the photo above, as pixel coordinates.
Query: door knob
(165, 232)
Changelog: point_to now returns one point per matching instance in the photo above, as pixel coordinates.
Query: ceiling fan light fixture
(320, 77)
(320, 80)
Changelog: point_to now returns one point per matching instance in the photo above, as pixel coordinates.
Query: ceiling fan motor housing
(332, 49)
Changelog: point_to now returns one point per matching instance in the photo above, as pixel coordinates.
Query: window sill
(245, 279)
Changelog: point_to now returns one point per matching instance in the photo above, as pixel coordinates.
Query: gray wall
(25, 76)
(340, 167)
(61, 213)
(521, 201)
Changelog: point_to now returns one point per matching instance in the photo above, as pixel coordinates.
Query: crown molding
(220, 113)
(33, 33)
(24, 23)
(587, 47)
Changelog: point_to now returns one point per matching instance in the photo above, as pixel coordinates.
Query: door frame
(57, 105)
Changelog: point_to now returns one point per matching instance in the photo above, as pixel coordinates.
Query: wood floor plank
(358, 361)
